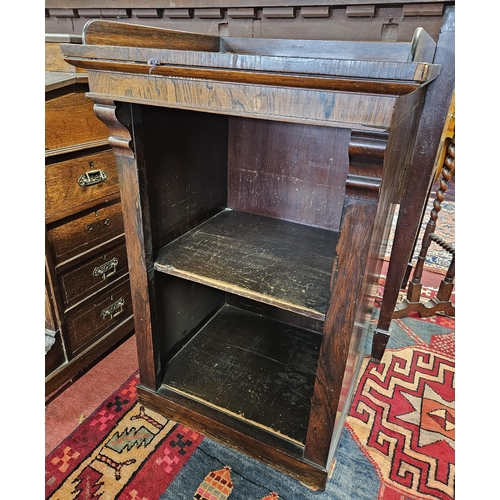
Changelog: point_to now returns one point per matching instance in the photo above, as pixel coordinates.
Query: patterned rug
(398, 442)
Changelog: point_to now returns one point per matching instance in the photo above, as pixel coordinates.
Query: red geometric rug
(120, 450)
(398, 441)
(403, 418)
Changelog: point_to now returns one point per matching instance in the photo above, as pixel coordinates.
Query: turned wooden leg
(441, 302)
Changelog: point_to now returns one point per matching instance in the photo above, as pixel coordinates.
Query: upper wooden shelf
(273, 261)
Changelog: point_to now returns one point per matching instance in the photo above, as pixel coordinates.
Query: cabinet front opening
(244, 237)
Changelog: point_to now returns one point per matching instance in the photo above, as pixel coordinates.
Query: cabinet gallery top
(333, 83)
(145, 49)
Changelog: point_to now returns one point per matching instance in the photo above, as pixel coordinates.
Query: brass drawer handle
(107, 269)
(113, 310)
(92, 177)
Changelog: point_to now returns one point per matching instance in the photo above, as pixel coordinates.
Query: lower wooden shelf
(255, 368)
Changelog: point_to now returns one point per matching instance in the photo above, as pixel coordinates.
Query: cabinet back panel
(186, 161)
(288, 171)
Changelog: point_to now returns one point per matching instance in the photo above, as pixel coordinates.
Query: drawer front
(71, 184)
(94, 274)
(85, 232)
(99, 316)
(70, 121)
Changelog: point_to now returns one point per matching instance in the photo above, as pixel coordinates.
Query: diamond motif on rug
(404, 421)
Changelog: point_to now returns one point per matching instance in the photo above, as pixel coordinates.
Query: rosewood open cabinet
(253, 263)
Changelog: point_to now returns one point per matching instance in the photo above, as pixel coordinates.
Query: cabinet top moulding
(322, 78)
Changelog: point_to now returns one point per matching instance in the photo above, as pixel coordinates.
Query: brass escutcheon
(91, 227)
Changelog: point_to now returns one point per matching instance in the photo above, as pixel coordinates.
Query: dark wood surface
(299, 70)
(99, 314)
(286, 171)
(323, 49)
(255, 101)
(81, 234)
(341, 340)
(186, 159)
(261, 370)
(203, 3)
(234, 433)
(90, 276)
(170, 132)
(380, 20)
(270, 260)
(99, 32)
(137, 220)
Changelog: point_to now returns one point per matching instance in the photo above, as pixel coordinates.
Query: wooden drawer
(85, 232)
(73, 185)
(92, 275)
(70, 121)
(99, 316)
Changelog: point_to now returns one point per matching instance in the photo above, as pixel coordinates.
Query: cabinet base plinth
(289, 462)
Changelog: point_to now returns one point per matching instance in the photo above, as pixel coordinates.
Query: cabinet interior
(244, 242)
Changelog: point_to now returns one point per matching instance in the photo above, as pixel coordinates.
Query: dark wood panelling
(286, 171)
(317, 20)
(186, 154)
(98, 315)
(90, 276)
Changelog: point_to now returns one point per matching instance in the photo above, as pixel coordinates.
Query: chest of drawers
(88, 300)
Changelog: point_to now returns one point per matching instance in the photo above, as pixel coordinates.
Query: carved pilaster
(366, 157)
(119, 138)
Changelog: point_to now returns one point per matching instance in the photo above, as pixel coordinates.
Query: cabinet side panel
(397, 162)
(186, 161)
(288, 170)
(347, 299)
